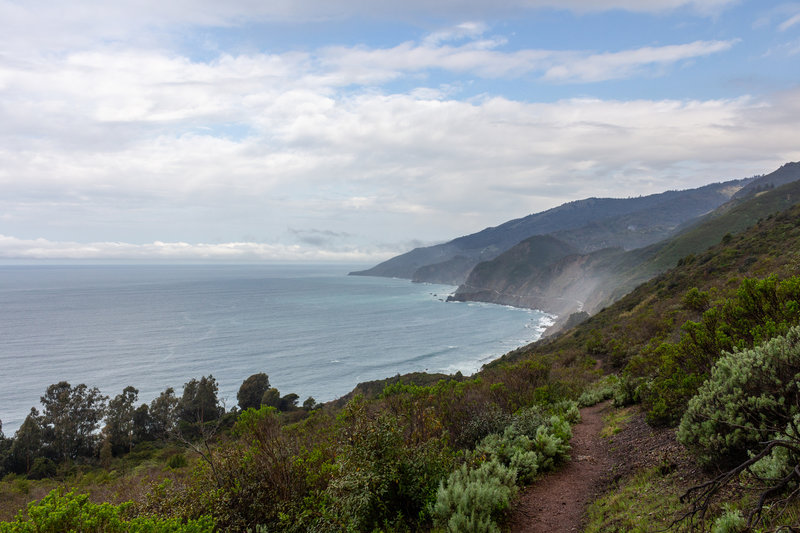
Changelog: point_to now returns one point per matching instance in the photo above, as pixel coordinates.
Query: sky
(355, 130)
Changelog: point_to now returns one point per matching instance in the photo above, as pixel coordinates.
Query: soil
(557, 502)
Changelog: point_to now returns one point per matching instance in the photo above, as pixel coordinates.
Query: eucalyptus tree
(119, 428)
(199, 403)
(71, 418)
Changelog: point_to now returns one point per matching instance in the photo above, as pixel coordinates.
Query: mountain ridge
(594, 280)
(589, 224)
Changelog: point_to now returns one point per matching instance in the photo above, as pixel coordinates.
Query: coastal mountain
(586, 225)
(587, 282)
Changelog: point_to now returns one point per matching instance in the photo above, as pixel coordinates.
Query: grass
(615, 421)
(646, 502)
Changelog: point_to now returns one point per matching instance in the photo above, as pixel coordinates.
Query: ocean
(314, 330)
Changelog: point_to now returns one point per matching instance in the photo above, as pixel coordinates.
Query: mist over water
(315, 331)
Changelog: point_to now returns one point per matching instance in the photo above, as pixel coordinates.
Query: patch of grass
(17, 491)
(615, 421)
(647, 502)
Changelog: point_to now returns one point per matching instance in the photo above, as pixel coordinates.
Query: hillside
(655, 309)
(588, 282)
(587, 225)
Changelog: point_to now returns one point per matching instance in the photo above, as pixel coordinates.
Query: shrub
(535, 441)
(531, 444)
(472, 500)
(177, 461)
(760, 310)
(731, 521)
(751, 397)
(59, 512)
(599, 391)
(627, 391)
(383, 481)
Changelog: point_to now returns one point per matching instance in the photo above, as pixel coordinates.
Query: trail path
(557, 502)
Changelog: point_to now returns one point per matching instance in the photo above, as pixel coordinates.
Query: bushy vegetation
(746, 417)
(752, 396)
(409, 459)
(758, 311)
(397, 461)
(58, 512)
(474, 497)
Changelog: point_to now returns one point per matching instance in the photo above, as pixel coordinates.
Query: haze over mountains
(583, 255)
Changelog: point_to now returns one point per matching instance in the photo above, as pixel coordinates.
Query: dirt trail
(557, 502)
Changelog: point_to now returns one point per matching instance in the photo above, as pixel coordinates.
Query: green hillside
(731, 218)
(588, 282)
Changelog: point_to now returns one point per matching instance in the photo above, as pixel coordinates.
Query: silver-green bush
(472, 499)
(751, 397)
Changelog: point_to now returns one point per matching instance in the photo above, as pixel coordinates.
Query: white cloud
(449, 163)
(456, 33)
(614, 65)
(132, 143)
(792, 21)
(39, 249)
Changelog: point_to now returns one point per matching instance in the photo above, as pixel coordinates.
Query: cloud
(317, 237)
(39, 249)
(792, 21)
(136, 144)
(456, 33)
(379, 158)
(615, 65)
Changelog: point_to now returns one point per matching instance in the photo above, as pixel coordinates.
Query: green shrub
(177, 461)
(472, 500)
(779, 463)
(382, 481)
(490, 419)
(58, 512)
(752, 396)
(696, 300)
(731, 521)
(627, 391)
(760, 310)
(526, 447)
(599, 391)
(568, 410)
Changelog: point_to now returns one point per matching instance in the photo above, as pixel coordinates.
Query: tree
(271, 398)
(252, 390)
(119, 420)
(289, 402)
(142, 424)
(71, 418)
(163, 414)
(27, 445)
(310, 404)
(199, 402)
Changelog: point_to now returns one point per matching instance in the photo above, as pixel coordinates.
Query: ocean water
(314, 330)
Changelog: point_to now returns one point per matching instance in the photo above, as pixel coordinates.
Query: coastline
(314, 331)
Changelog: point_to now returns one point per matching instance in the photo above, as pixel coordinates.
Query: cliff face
(575, 282)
